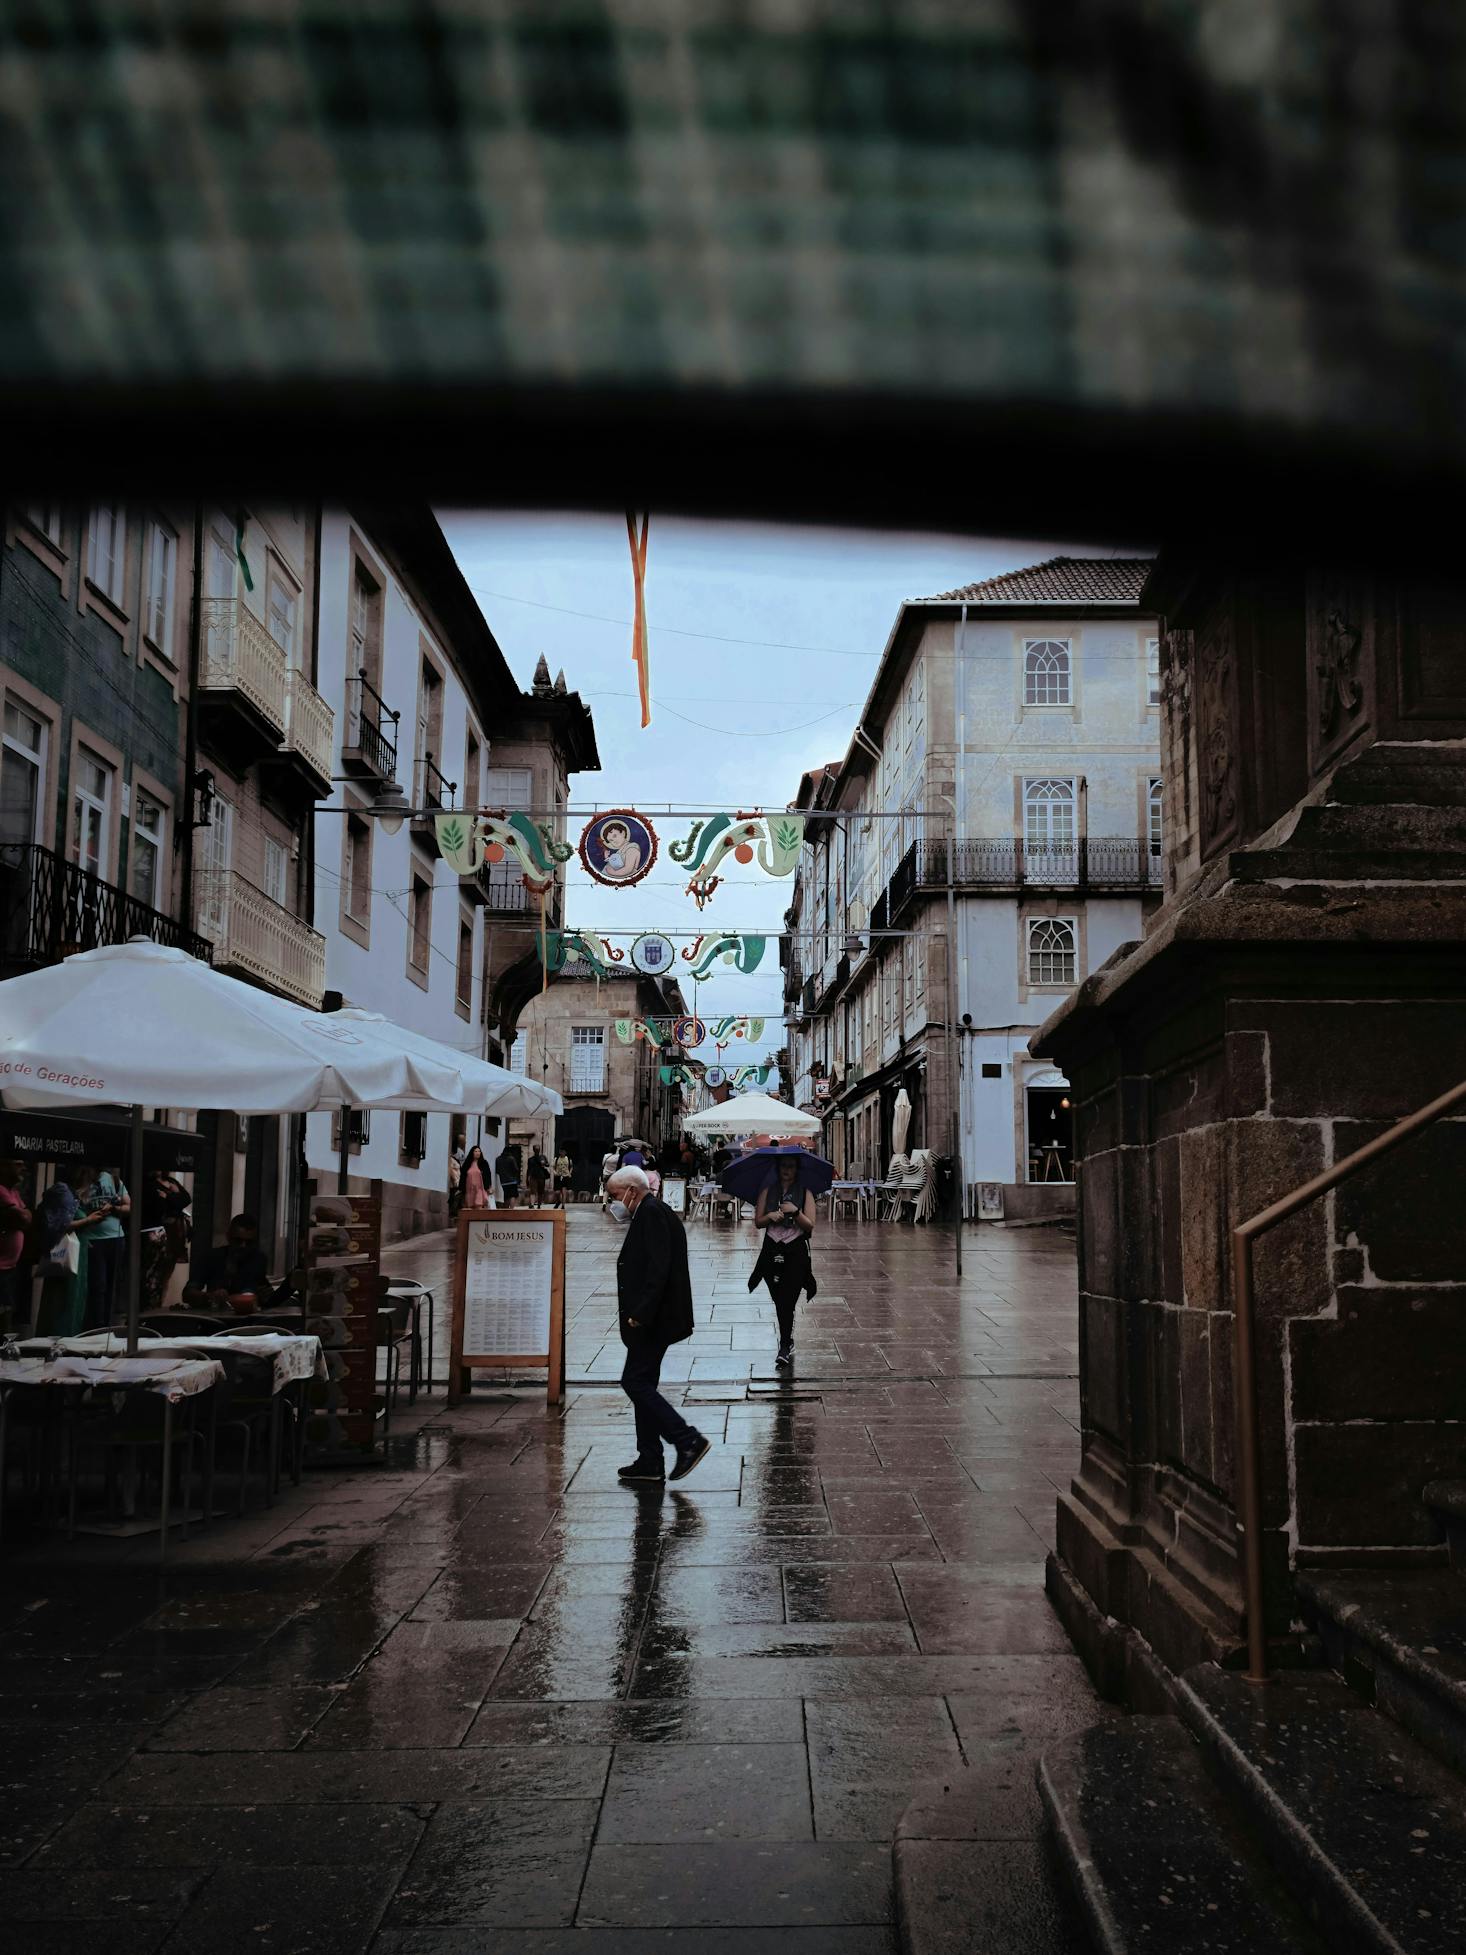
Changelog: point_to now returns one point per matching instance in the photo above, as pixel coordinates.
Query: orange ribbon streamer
(639, 653)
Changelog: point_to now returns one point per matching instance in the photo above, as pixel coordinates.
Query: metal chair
(890, 1190)
(852, 1198)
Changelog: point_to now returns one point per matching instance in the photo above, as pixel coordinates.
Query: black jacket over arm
(652, 1281)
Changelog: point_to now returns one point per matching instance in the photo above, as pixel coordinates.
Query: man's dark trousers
(656, 1419)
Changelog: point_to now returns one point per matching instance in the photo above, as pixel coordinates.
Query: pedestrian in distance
(564, 1175)
(15, 1221)
(475, 1181)
(537, 1174)
(654, 1307)
(610, 1161)
(785, 1213)
(508, 1167)
(104, 1202)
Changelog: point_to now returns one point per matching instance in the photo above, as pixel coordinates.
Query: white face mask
(618, 1211)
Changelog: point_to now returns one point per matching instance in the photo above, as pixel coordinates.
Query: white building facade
(421, 693)
(1016, 721)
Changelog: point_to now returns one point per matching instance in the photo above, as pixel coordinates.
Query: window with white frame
(1152, 671)
(908, 975)
(145, 850)
(412, 1138)
(282, 604)
(509, 788)
(1049, 814)
(1046, 672)
(587, 1058)
(161, 574)
(1052, 952)
(277, 871)
(22, 770)
(1154, 815)
(519, 1055)
(91, 811)
(358, 1128)
(221, 569)
(356, 869)
(106, 547)
(366, 625)
(464, 992)
(217, 863)
(45, 519)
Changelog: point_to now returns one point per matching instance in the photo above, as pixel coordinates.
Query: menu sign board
(674, 1194)
(343, 1288)
(509, 1296)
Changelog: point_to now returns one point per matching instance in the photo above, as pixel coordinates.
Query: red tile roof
(1062, 580)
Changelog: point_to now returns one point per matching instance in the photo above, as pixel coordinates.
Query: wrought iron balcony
(51, 908)
(433, 794)
(370, 745)
(253, 934)
(1103, 863)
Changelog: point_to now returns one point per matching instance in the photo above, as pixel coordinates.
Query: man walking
(654, 1302)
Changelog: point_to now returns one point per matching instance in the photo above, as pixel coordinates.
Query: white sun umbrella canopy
(900, 1121)
(754, 1113)
(143, 1025)
(488, 1089)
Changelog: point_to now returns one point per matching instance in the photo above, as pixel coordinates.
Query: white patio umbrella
(753, 1113)
(487, 1088)
(900, 1121)
(144, 1025)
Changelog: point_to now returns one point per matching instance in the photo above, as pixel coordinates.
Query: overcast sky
(764, 642)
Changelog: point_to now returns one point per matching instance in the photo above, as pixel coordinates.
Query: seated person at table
(236, 1267)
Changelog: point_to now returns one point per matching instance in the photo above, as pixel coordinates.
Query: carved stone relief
(1340, 691)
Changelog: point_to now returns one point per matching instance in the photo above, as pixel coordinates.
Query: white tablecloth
(172, 1377)
(294, 1356)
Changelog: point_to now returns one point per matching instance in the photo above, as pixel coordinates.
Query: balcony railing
(371, 730)
(239, 656)
(503, 890)
(51, 908)
(432, 788)
(254, 934)
(1100, 862)
(309, 725)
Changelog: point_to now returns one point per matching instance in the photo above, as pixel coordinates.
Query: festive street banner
(715, 1077)
(653, 954)
(677, 1075)
(738, 1028)
(653, 1030)
(618, 848)
(558, 948)
(640, 655)
(773, 840)
(469, 842)
(689, 1031)
(745, 1076)
(742, 953)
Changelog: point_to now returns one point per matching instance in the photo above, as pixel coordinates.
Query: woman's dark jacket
(652, 1281)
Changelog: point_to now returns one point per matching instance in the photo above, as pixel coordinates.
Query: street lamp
(389, 807)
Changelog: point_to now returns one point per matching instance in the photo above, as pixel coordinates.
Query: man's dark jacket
(652, 1283)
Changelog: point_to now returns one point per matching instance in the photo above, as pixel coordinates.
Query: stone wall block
(1195, 1454)
(1097, 1123)
(1220, 1350)
(1202, 1219)
(1160, 1331)
(1360, 1485)
(1266, 1160)
(1099, 1198)
(1334, 1060)
(1399, 1208)
(1168, 1282)
(1337, 1369)
(1247, 1074)
(1104, 1365)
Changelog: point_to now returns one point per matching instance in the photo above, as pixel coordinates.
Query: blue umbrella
(760, 1169)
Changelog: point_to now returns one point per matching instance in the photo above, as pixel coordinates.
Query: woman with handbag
(61, 1260)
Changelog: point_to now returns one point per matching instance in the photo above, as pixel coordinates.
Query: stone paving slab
(485, 1698)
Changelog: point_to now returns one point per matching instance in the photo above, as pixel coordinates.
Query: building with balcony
(428, 719)
(1009, 750)
(577, 1038)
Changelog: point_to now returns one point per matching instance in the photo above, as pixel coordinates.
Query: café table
(177, 1378)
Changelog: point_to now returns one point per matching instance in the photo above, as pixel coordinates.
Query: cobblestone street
(486, 1695)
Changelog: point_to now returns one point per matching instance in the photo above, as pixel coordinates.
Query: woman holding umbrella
(785, 1213)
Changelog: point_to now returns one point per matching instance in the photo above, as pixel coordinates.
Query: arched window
(1153, 817)
(1048, 814)
(1046, 672)
(1051, 954)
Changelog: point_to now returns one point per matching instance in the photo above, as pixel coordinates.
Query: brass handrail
(1249, 1460)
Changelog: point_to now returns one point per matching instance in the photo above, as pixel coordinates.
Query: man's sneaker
(786, 1354)
(688, 1456)
(644, 1469)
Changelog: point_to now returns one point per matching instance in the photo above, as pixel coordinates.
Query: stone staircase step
(1446, 1500)
(1365, 1825)
(1399, 1640)
(1152, 1855)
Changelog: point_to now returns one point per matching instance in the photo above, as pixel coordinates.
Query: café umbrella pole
(135, 1230)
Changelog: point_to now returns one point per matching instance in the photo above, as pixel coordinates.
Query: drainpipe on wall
(190, 735)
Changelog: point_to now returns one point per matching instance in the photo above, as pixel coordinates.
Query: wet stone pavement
(484, 1698)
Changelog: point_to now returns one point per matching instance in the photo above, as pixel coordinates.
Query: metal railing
(504, 890)
(371, 727)
(1101, 862)
(52, 908)
(1248, 1438)
(239, 655)
(259, 936)
(309, 723)
(431, 786)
